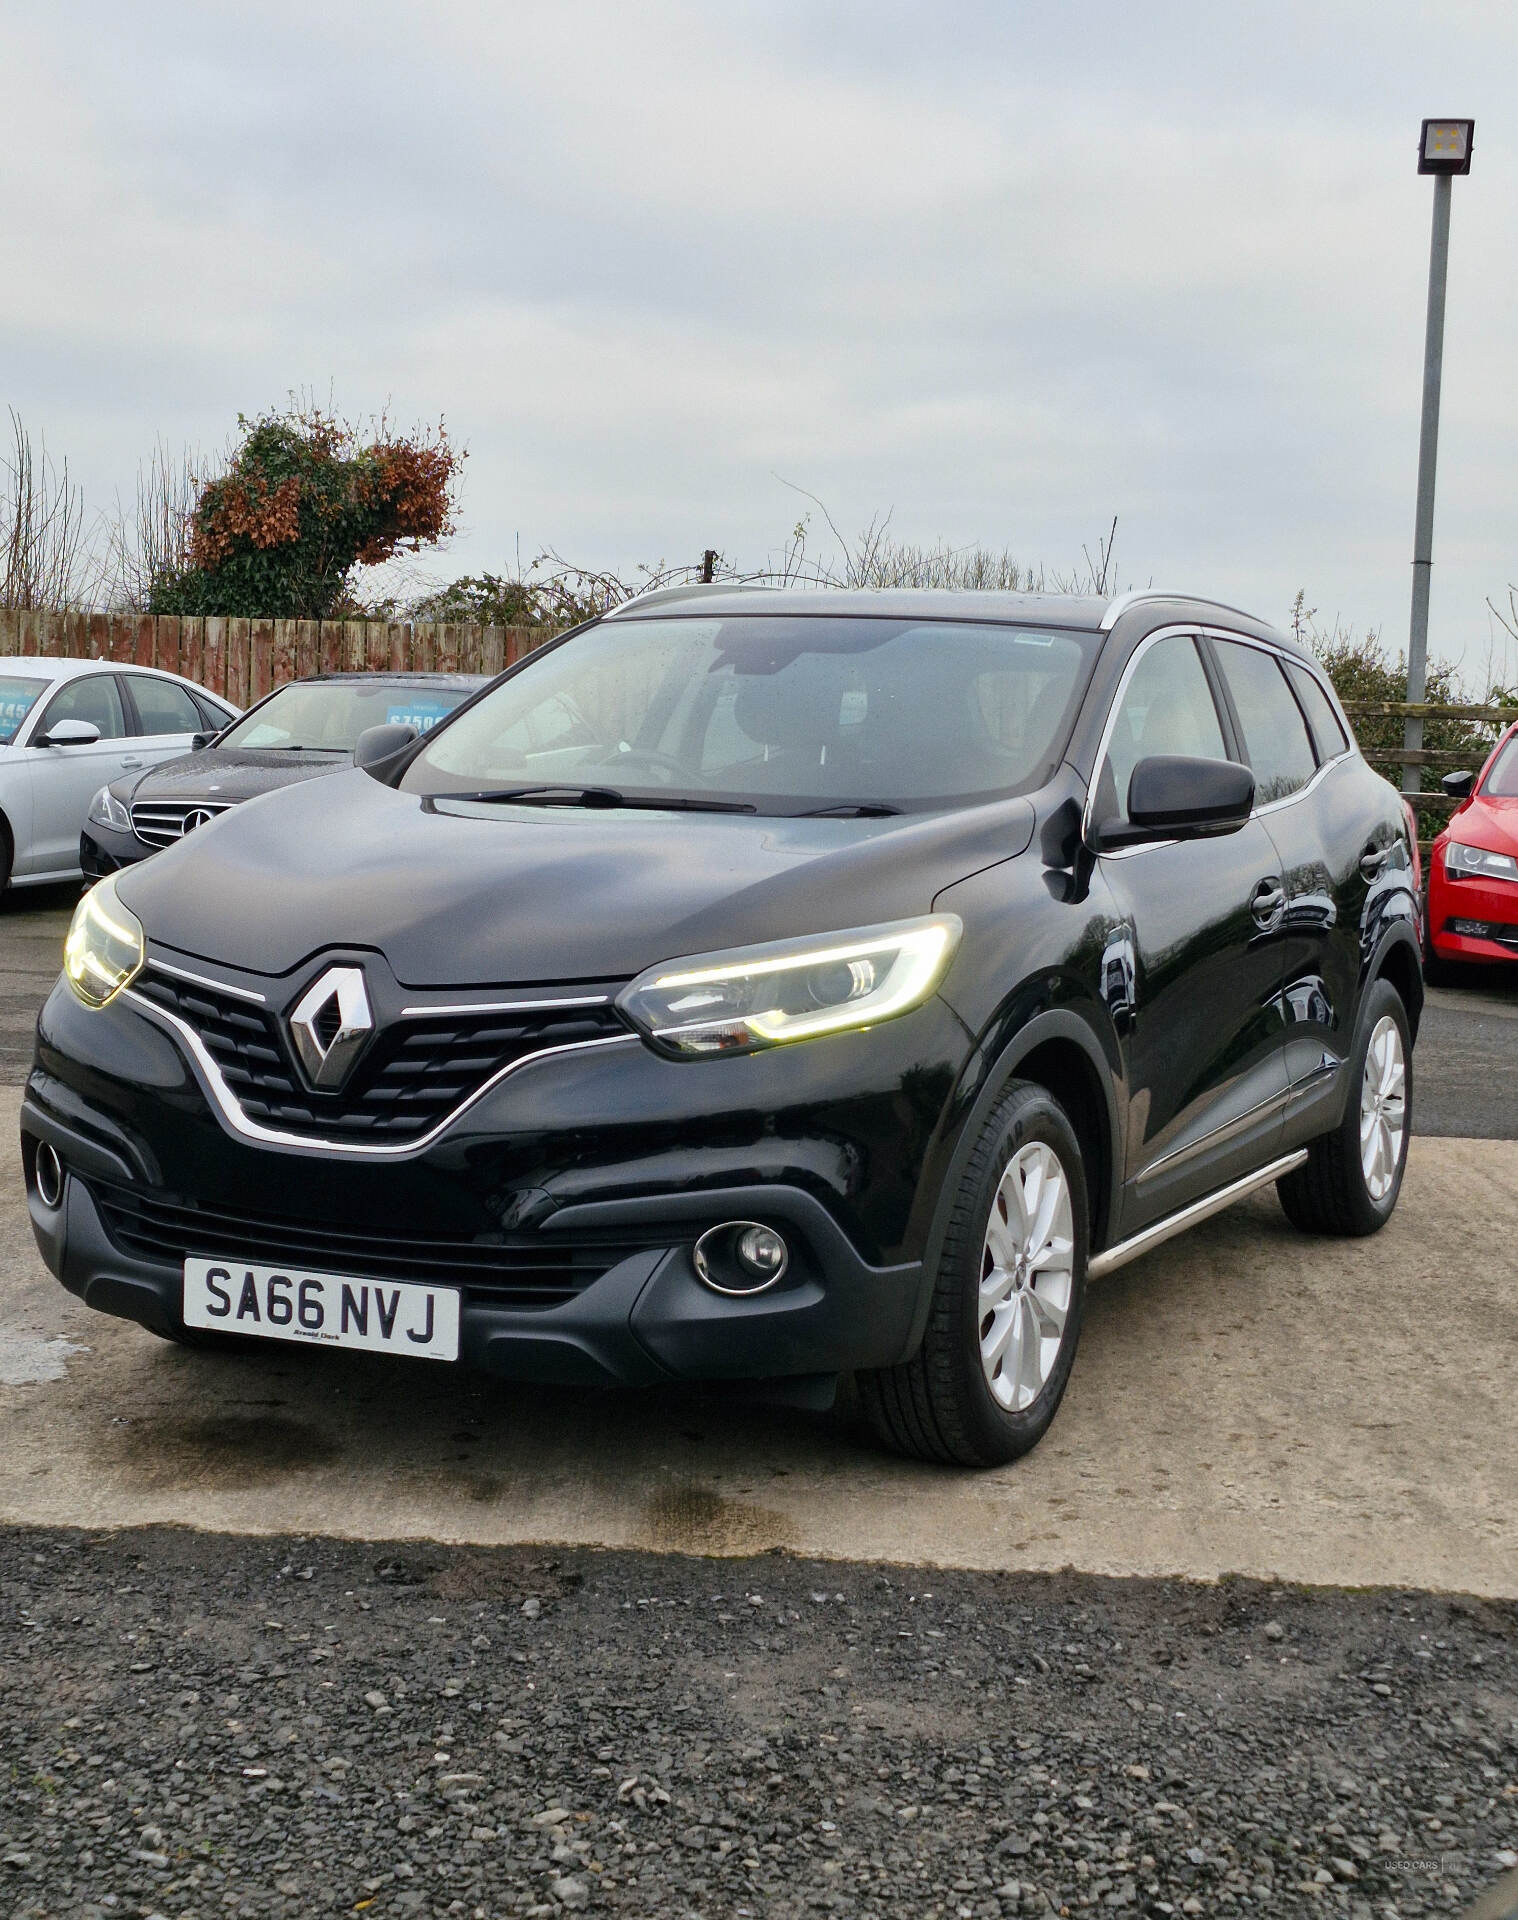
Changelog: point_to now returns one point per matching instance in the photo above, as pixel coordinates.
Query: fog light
(742, 1256)
(49, 1175)
(762, 1252)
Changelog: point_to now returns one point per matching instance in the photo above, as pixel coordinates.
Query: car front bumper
(564, 1206)
(1473, 919)
(103, 850)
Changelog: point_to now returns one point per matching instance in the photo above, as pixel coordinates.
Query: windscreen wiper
(851, 810)
(544, 796)
(569, 796)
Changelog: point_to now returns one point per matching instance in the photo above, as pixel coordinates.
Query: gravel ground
(197, 1725)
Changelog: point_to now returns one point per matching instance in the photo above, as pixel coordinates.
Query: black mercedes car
(303, 729)
(752, 985)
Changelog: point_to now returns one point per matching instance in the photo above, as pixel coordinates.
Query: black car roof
(1147, 608)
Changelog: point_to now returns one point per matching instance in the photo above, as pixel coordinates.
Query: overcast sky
(1004, 269)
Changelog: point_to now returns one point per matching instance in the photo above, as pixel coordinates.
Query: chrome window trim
(238, 1122)
(1192, 629)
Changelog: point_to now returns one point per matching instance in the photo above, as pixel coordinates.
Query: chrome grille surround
(159, 823)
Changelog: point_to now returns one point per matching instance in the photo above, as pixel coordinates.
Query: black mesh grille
(414, 1073)
(505, 1270)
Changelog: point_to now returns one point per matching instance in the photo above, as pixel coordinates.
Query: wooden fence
(245, 659)
(1432, 808)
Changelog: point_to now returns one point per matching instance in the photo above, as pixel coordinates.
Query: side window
(162, 707)
(94, 698)
(1327, 728)
(1167, 708)
(1275, 734)
(213, 715)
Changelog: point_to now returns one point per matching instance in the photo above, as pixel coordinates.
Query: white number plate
(329, 1309)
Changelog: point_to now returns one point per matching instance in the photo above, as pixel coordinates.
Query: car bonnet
(537, 894)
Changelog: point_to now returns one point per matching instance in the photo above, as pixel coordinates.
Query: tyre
(1352, 1176)
(1006, 1309)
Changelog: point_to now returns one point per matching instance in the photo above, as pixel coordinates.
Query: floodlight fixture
(1446, 146)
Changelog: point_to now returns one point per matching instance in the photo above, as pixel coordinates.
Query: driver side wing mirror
(1176, 797)
(69, 733)
(375, 744)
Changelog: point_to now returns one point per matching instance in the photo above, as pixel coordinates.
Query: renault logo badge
(331, 1026)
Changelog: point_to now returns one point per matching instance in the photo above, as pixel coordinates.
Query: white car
(70, 727)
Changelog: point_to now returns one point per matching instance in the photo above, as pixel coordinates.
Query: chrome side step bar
(1111, 1258)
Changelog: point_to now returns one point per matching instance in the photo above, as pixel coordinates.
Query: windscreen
(1502, 782)
(326, 716)
(17, 698)
(790, 714)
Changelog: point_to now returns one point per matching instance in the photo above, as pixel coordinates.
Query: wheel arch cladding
(1398, 963)
(1060, 1052)
(1065, 1070)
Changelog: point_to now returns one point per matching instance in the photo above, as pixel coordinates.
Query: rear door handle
(1268, 905)
(130, 760)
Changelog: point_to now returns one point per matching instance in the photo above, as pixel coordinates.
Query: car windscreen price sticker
(324, 1309)
(421, 714)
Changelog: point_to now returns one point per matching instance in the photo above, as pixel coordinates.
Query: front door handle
(129, 761)
(1373, 860)
(1268, 906)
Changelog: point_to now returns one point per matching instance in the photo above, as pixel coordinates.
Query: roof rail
(693, 589)
(1124, 601)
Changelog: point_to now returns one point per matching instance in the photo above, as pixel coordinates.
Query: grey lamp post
(1443, 151)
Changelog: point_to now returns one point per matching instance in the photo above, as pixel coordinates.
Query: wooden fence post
(238, 675)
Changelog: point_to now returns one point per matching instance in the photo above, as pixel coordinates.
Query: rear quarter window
(1327, 729)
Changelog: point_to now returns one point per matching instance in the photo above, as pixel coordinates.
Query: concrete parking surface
(1245, 1400)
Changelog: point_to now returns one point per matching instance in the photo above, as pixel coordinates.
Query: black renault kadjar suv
(300, 731)
(752, 984)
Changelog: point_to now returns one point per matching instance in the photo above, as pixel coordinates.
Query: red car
(1473, 870)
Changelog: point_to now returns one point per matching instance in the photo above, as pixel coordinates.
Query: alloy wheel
(1026, 1276)
(1383, 1108)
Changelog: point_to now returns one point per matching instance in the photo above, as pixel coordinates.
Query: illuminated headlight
(790, 990)
(107, 811)
(104, 949)
(1477, 863)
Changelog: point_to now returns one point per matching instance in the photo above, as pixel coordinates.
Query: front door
(1197, 924)
(65, 779)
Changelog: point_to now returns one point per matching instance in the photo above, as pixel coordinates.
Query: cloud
(1006, 269)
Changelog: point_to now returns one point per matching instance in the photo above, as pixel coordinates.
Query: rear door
(1191, 965)
(165, 718)
(66, 779)
(1331, 848)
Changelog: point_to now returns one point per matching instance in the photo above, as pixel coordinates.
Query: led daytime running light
(880, 972)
